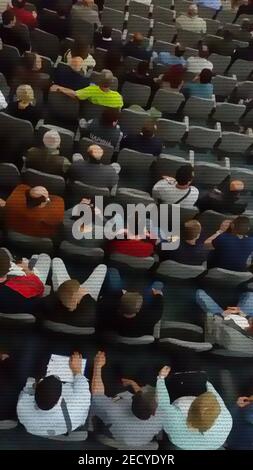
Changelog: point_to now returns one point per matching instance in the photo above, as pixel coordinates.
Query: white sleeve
(3, 102)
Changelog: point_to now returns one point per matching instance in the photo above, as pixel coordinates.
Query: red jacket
(139, 248)
(25, 17)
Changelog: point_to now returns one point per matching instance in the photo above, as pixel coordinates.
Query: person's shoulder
(194, 189)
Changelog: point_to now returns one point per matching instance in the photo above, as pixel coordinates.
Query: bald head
(39, 191)
(193, 10)
(95, 153)
(236, 185)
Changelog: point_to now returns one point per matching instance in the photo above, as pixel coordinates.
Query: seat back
(131, 122)
(170, 131)
(112, 18)
(9, 178)
(167, 101)
(54, 184)
(140, 9)
(68, 329)
(138, 23)
(135, 168)
(224, 276)
(198, 108)
(80, 254)
(244, 90)
(63, 108)
(80, 27)
(172, 269)
(223, 86)
(189, 37)
(242, 69)
(164, 32)
(13, 148)
(45, 44)
(228, 112)
(201, 137)
(135, 94)
(133, 262)
(164, 15)
(245, 175)
(167, 165)
(220, 63)
(234, 143)
(29, 245)
(163, 46)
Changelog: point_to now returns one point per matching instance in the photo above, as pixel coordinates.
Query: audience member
(97, 94)
(132, 419)
(233, 247)
(196, 64)
(8, 62)
(225, 47)
(49, 407)
(172, 79)
(200, 86)
(25, 107)
(166, 58)
(145, 141)
(92, 171)
(32, 211)
(29, 71)
(244, 9)
(141, 245)
(48, 158)
(29, 18)
(85, 10)
(71, 76)
(240, 437)
(13, 34)
(81, 50)
(225, 198)
(191, 21)
(106, 129)
(243, 53)
(214, 4)
(104, 39)
(135, 48)
(194, 423)
(141, 75)
(177, 190)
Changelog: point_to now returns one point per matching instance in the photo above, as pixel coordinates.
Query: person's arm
(223, 228)
(65, 91)
(131, 383)
(97, 385)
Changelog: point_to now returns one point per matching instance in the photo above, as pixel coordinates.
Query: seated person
(47, 159)
(8, 391)
(177, 190)
(166, 58)
(57, 24)
(196, 64)
(101, 94)
(190, 21)
(13, 34)
(233, 248)
(226, 197)
(145, 142)
(104, 39)
(135, 48)
(244, 9)
(29, 18)
(172, 80)
(29, 71)
(132, 419)
(92, 171)
(8, 62)
(49, 407)
(21, 292)
(131, 314)
(242, 53)
(82, 50)
(32, 211)
(140, 245)
(194, 423)
(225, 47)
(25, 107)
(72, 76)
(73, 303)
(104, 130)
(192, 250)
(141, 76)
(200, 86)
(240, 437)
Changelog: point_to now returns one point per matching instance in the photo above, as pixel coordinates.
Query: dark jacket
(40, 159)
(94, 174)
(132, 50)
(137, 142)
(84, 315)
(17, 37)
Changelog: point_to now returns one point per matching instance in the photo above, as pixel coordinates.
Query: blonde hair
(67, 290)
(203, 412)
(25, 93)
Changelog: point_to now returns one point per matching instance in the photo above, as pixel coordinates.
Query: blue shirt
(232, 252)
(202, 90)
(215, 4)
(241, 436)
(167, 58)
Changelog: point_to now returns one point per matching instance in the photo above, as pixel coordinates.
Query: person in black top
(57, 24)
(104, 39)
(134, 48)
(226, 198)
(243, 53)
(244, 10)
(14, 34)
(141, 76)
(7, 62)
(145, 142)
(24, 107)
(71, 76)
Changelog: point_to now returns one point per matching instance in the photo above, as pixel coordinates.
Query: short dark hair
(19, 3)
(109, 116)
(143, 405)
(241, 225)
(179, 51)
(191, 230)
(148, 129)
(205, 76)
(4, 263)
(7, 17)
(80, 48)
(106, 31)
(184, 174)
(48, 392)
(63, 8)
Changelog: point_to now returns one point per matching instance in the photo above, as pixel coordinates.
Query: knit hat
(52, 139)
(203, 412)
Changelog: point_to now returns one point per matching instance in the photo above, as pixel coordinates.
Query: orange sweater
(37, 221)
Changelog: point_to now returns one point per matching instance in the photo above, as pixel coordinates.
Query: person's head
(240, 226)
(144, 405)
(106, 79)
(37, 197)
(205, 76)
(68, 294)
(148, 130)
(143, 68)
(192, 10)
(107, 32)
(95, 153)
(88, 3)
(191, 230)
(5, 264)
(174, 76)
(227, 35)
(63, 8)
(203, 412)
(130, 304)
(48, 392)
(110, 117)
(76, 63)
(236, 186)
(80, 48)
(52, 140)
(137, 39)
(179, 50)
(8, 18)
(246, 25)
(25, 94)
(184, 175)
(203, 51)
(19, 3)
(32, 62)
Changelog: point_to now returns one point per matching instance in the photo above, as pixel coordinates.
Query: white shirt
(194, 24)
(170, 194)
(184, 404)
(52, 423)
(3, 102)
(197, 64)
(88, 63)
(240, 321)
